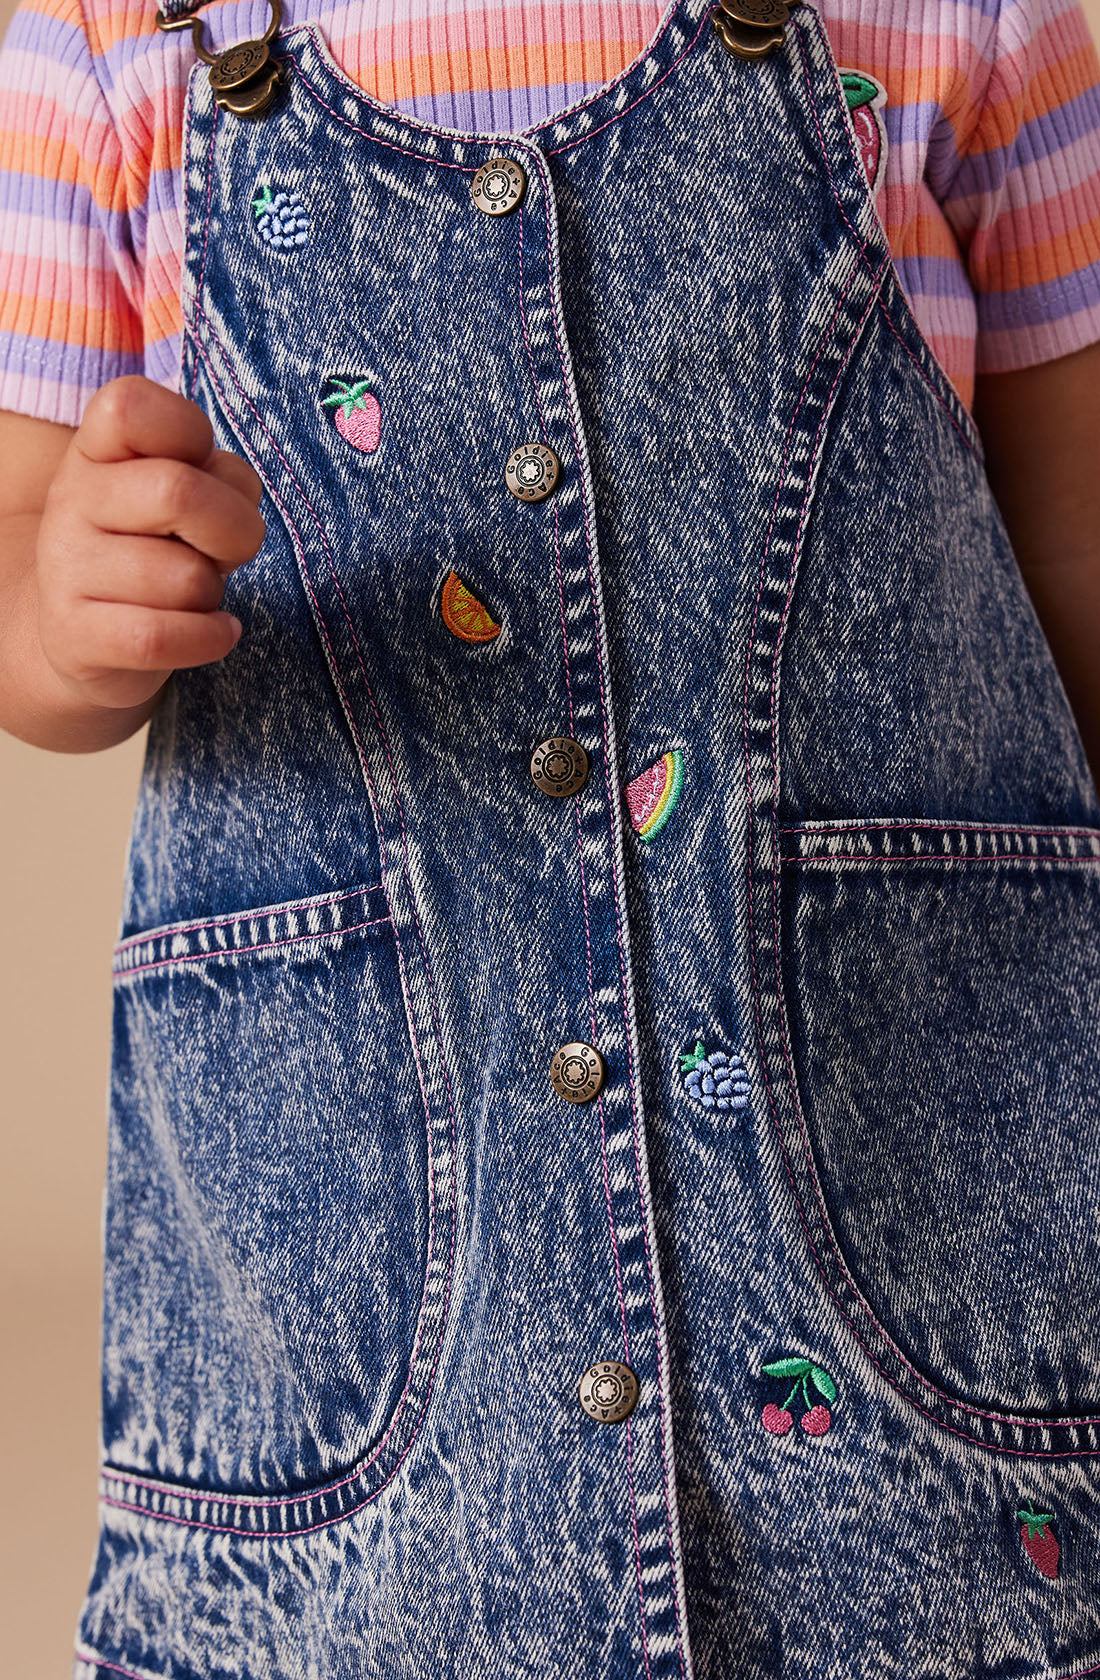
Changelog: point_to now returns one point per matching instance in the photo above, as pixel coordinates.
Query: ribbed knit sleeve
(1025, 201)
(68, 281)
(990, 194)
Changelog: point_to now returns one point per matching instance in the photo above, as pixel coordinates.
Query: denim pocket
(943, 993)
(268, 1214)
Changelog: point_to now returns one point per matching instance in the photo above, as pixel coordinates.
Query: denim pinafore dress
(605, 1117)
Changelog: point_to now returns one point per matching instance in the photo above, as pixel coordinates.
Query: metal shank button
(559, 766)
(576, 1072)
(745, 40)
(609, 1391)
(532, 471)
(761, 14)
(498, 186)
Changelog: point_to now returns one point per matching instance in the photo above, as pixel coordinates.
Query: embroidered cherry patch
(715, 1081)
(652, 797)
(282, 219)
(463, 613)
(1039, 1541)
(816, 1419)
(358, 415)
(865, 98)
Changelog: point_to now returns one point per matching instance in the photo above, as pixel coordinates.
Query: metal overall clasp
(752, 28)
(243, 77)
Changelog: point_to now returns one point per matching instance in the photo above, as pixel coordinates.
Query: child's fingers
(150, 572)
(106, 639)
(135, 416)
(165, 498)
(232, 469)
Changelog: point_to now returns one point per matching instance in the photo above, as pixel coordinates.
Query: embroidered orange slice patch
(463, 613)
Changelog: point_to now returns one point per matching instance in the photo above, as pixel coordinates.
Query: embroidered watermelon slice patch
(865, 98)
(463, 613)
(653, 796)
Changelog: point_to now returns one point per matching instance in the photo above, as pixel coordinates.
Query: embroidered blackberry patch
(715, 1081)
(358, 413)
(865, 98)
(463, 613)
(652, 797)
(1039, 1540)
(282, 219)
(816, 1419)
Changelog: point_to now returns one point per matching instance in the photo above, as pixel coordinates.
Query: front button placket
(588, 831)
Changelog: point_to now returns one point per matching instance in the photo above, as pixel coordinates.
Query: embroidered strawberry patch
(816, 1419)
(865, 98)
(358, 413)
(1039, 1540)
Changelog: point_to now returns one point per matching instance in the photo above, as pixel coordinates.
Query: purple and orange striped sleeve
(991, 199)
(68, 276)
(1024, 202)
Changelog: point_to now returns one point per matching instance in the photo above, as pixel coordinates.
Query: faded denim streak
(358, 1254)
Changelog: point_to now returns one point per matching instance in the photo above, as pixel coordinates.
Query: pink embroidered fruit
(358, 412)
(1039, 1541)
(777, 1422)
(651, 797)
(864, 96)
(817, 1419)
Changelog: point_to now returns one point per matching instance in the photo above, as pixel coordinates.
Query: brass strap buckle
(752, 28)
(243, 77)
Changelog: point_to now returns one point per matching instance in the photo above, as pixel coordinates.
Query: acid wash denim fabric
(837, 1203)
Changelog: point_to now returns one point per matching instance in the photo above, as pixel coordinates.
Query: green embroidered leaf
(823, 1382)
(787, 1368)
(693, 1059)
(858, 90)
(262, 203)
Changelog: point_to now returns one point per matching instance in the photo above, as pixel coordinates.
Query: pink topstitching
(850, 136)
(637, 1553)
(756, 1003)
(101, 1662)
(854, 827)
(365, 765)
(993, 1417)
(587, 135)
(197, 305)
(600, 93)
(459, 137)
(993, 858)
(544, 433)
(243, 950)
(956, 1404)
(170, 929)
(587, 932)
(412, 1026)
(612, 808)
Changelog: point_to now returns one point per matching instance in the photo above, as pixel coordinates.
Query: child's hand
(142, 524)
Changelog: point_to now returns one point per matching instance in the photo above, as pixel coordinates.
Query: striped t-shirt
(990, 191)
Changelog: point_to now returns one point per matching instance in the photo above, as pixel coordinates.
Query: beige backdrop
(62, 845)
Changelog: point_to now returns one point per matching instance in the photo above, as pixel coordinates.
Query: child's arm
(1041, 429)
(116, 539)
